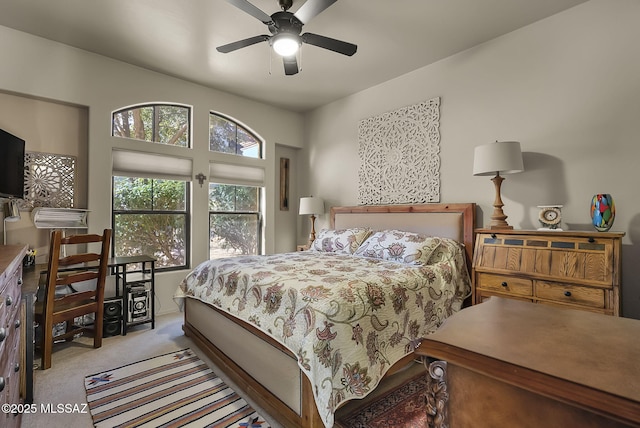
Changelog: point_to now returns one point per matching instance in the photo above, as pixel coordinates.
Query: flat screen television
(11, 166)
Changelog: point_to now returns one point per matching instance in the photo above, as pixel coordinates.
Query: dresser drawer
(5, 322)
(587, 259)
(10, 293)
(571, 294)
(504, 284)
(483, 296)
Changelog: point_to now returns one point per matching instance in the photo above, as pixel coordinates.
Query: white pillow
(399, 246)
(341, 241)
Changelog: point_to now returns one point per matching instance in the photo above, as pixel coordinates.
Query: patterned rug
(403, 407)
(172, 390)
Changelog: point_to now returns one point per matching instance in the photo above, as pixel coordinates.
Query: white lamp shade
(311, 205)
(12, 212)
(504, 157)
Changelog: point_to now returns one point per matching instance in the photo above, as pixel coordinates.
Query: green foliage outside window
(225, 136)
(234, 220)
(150, 217)
(165, 124)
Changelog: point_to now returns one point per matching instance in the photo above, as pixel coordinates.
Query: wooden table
(511, 363)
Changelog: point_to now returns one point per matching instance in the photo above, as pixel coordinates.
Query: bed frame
(268, 372)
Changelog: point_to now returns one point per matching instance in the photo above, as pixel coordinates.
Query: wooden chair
(63, 273)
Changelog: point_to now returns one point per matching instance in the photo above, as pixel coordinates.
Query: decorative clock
(550, 217)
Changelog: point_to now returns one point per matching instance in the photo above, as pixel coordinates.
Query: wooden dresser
(579, 270)
(507, 363)
(10, 330)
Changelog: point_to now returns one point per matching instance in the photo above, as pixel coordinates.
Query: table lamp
(12, 213)
(504, 157)
(313, 206)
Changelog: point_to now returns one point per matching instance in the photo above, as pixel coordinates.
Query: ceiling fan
(285, 28)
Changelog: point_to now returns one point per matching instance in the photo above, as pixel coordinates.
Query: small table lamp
(493, 159)
(313, 206)
(12, 213)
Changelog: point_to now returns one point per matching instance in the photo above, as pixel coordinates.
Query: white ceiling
(179, 37)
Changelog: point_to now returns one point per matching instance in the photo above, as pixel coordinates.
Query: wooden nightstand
(303, 247)
(579, 270)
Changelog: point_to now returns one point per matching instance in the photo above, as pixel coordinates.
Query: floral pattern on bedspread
(347, 318)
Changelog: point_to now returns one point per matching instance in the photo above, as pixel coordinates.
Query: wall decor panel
(400, 155)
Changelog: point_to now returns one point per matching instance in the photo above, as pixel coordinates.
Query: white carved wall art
(400, 156)
(49, 180)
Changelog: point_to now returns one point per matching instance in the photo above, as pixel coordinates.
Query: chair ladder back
(67, 307)
(80, 239)
(73, 277)
(77, 259)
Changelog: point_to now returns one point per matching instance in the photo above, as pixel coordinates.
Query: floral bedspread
(347, 318)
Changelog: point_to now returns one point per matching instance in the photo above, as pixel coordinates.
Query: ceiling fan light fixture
(285, 44)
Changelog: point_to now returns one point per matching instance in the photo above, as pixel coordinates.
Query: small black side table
(136, 288)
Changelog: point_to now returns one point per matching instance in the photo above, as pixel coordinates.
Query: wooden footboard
(308, 417)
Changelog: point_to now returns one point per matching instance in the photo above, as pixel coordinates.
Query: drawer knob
(504, 284)
(9, 301)
(16, 367)
(567, 293)
(3, 334)
(1, 383)
(494, 236)
(591, 240)
(17, 323)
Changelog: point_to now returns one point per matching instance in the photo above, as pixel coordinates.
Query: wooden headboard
(454, 221)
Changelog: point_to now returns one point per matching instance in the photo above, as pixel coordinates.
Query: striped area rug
(172, 390)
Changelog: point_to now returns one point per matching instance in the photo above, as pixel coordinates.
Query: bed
(280, 325)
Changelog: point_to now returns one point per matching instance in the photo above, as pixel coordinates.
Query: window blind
(151, 165)
(246, 175)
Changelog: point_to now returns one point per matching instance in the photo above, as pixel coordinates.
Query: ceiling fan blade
(242, 43)
(290, 65)
(252, 10)
(339, 46)
(312, 8)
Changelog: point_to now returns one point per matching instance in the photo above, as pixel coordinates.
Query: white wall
(286, 220)
(567, 88)
(51, 128)
(40, 68)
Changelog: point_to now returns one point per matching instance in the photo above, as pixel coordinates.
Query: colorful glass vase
(603, 211)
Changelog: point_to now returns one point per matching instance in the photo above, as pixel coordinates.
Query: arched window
(157, 123)
(227, 136)
(151, 191)
(235, 190)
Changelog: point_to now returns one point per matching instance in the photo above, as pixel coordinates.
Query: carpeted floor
(63, 383)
